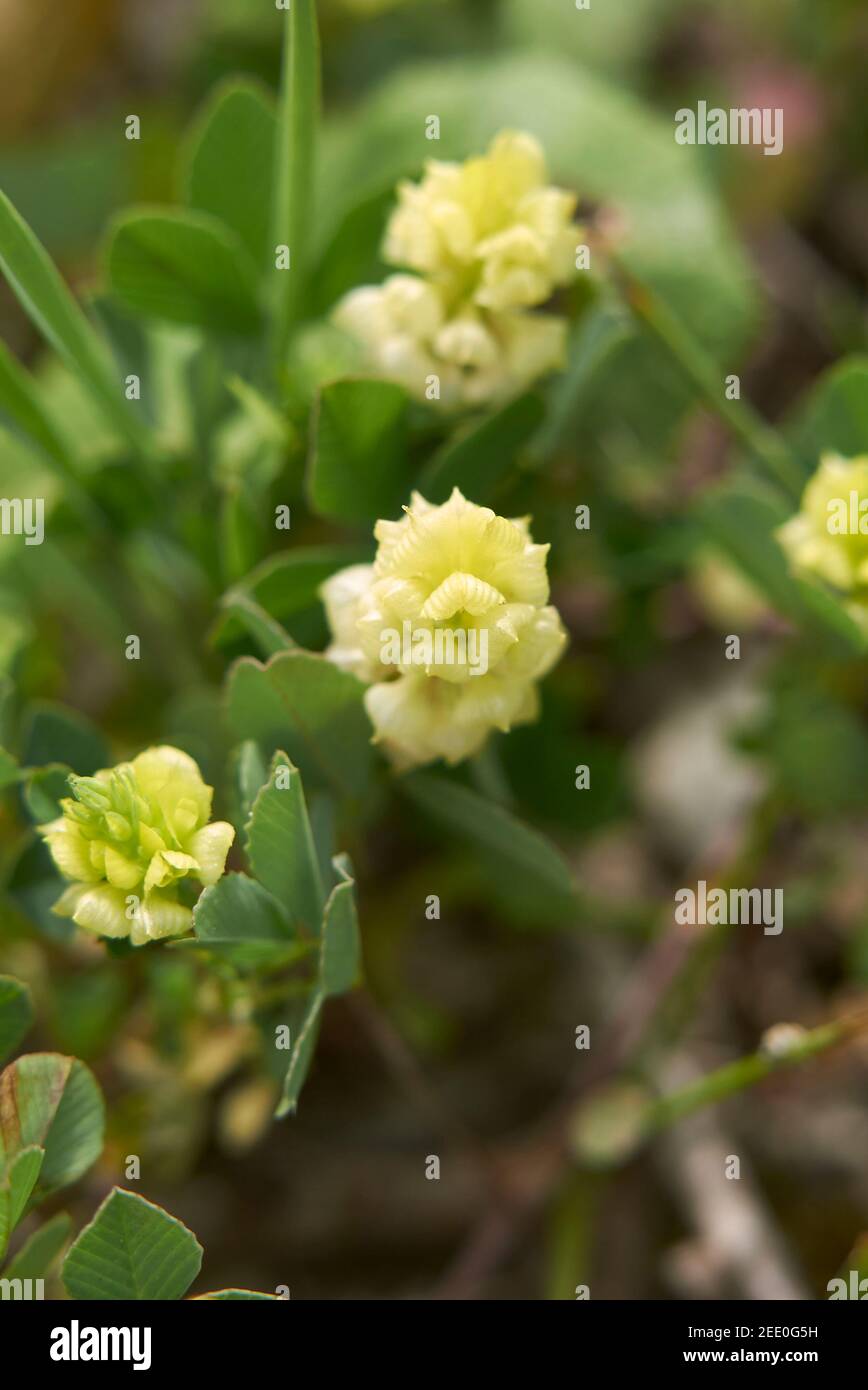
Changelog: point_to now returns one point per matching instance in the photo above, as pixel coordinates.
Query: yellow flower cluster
(488, 241)
(451, 625)
(126, 839)
(827, 539)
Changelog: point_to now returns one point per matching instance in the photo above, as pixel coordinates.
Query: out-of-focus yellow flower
(489, 230)
(126, 839)
(475, 357)
(726, 595)
(828, 537)
(489, 240)
(341, 595)
(451, 625)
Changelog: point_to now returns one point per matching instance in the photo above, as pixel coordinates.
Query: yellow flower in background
(726, 595)
(826, 539)
(489, 230)
(489, 240)
(476, 358)
(451, 625)
(342, 594)
(126, 839)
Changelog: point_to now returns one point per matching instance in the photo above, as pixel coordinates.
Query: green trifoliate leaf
(132, 1249)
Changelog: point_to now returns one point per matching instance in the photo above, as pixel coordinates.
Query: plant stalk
(298, 119)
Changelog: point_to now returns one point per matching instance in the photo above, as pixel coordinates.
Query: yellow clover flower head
(490, 229)
(127, 838)
(451, 625)
(476, 358)
(488, 241)
(828, 536)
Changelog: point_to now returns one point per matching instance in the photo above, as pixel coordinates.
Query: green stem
(610, 1127)
(747, 1071)
(680, 1001)
(265, 631)
(294, 175)
(760, 440)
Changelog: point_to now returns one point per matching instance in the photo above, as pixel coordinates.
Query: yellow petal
(166, 867)
(150, 841)
(161, 915)
(166, 776)
(120, 871)
(102, 910)
(461, 592)
(71, 852)
(69, 899)
(209, 847)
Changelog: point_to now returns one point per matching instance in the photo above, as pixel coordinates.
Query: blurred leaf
(46, 299)
(482, 455)
(251, 772)
(834, 416)
(610, 37)
(856, 1260)
(301, 1056)
(132, 1249)
(86, 1009)
(298, 122)
(261, 628)
(288, 583)
(21, 1176)
(526, 858)
(824, 775)
(230, 160)
(183, 266)
(280, 845)
(34, 887)
(340, 951)
(322, 812)
(131, 344)
(353, 255)
(241, 920)
(270, 423)
(22, 410)
(593, 343)
(53, 1102)
(10, 772)
(38, 1254)
(16, 1187)
(540, 760)
(61, 583)
(302, 702)
(68, 181)
(16, 1014)
(357, 467)
(43, 791)
(57, 734)
(339, 967)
